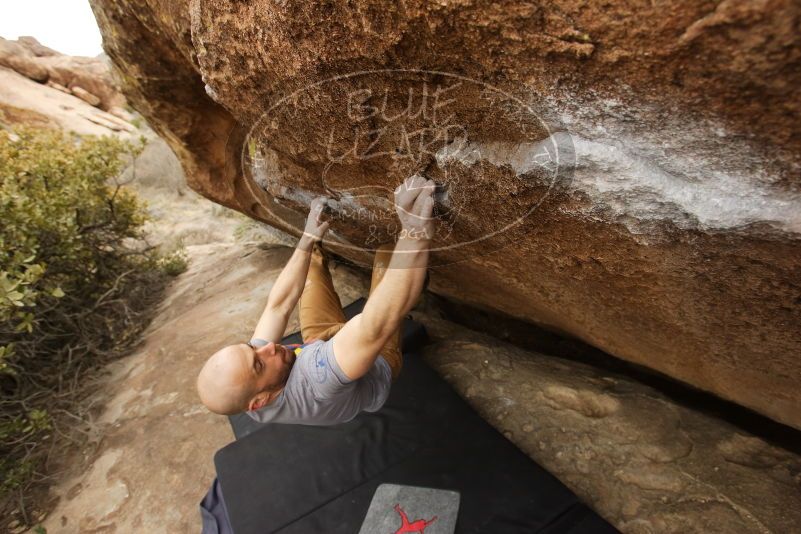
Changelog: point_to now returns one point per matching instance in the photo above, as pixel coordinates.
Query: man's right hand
(414, 202)
(316, 227)
(357, 345)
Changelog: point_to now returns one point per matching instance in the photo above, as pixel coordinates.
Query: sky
(64, 25)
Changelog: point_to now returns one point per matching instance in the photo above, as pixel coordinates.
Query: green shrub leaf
(76, 284)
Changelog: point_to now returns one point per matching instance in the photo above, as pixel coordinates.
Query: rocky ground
(153, 459)
(178, 216)
(644, 461)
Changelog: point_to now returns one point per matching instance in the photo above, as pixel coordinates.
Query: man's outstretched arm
(357, 345)
(288, 287)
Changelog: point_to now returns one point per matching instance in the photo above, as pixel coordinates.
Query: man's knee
(395, 361)
(323, 333)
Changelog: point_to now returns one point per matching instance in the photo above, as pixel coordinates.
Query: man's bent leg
(320, 309)
(391, 351)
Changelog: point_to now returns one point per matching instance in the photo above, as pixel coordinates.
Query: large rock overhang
(629, 177)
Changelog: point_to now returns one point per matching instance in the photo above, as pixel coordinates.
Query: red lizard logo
(418, 526)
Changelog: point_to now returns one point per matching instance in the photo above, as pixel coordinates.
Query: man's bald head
(225, 384)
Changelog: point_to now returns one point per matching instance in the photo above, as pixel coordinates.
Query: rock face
(91, 75)
(85, 76)
(37, 48)
(33, 78)
(627, 174)
(85, 95)
(25, 102)
(16, 57)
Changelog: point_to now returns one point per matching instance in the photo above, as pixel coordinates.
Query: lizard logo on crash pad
(417, 526)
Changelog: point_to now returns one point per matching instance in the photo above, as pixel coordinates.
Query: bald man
(342, 368)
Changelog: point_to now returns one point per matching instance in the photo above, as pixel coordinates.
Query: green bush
(76, 282)
(174, 263)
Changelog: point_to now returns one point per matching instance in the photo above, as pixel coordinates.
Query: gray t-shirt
(317, 392)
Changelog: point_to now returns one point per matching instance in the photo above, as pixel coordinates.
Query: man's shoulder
(317, 362)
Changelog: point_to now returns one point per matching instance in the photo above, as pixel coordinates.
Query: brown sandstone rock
(30, 58)
(37, 48)
(85, 95)
(90, 74)
(23, 101)
(20, 59)
(26, 67)
(120, 113)
(12, 115)
(649, 465)
(667, 230)
(58, 87)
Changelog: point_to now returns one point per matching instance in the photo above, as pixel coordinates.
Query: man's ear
(261, 399)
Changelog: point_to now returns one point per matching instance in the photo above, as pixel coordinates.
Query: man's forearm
(399, 289)
(288, 287)
(357, 345)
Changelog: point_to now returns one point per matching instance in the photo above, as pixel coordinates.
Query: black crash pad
(304, 479)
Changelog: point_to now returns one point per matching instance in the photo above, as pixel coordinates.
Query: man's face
(268, 366)
(243, 377)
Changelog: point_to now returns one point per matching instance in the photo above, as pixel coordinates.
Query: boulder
(58, 87)
(30, 58)
(37, 48)
(121, 113)
(626, 174)
(25, 102)
(85, 95)
(26, 67)
(90, 74)
(18, 58)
